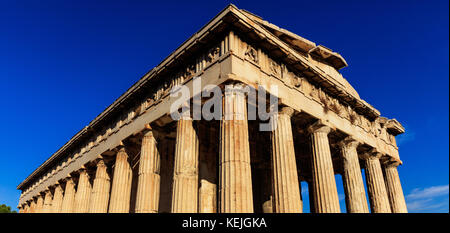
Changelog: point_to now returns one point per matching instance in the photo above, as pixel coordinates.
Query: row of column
(235, 183)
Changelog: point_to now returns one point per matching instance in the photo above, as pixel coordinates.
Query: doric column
(32, 206)
(235, 180)
(100, 189)
(57, 199)
(47, 202)
(394, 188)
(286, 191)
(69, 196)
(376, 188)
(83, 195)
(121, 185)
(20, 208)
(147, 200)
(26, 208)
(185, 176)
(355, 194)
(39, 204)
(326, 198)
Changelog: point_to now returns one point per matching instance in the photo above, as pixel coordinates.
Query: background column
(83, 195)
(235, 180)
(100, 190)
(376, 187)
(326, 198)
(394, 188)
(355, 194)
(147, 200)
(57, 199)
(47, 202)
(185, 177)
(69, 196)
(39, 204)
(286, 189)
(121, 186)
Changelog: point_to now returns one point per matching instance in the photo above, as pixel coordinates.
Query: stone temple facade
(134, 158)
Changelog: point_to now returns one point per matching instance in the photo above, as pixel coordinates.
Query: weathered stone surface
(326, 198)
(394, 188)
(185, 176)
(100, 190)
(376, 187)
(69, 196)
(57, 199)
(147, 200)
(83, 195)
(234, 162)
(47, 202)
(285, 179)
(355, 194)
(121, 185)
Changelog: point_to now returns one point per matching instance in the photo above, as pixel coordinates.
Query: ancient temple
(135, 158)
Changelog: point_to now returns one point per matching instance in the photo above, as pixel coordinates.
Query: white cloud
(433, 191)
(432, 199)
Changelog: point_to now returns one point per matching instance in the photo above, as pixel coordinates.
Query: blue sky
(63, 62)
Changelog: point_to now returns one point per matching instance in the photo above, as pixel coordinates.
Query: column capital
(319, 127)
(391, 163)
(349, 142)
(372, 154)
(285, 110)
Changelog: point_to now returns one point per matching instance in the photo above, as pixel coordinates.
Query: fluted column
(394, 188)
(47, 202)
(32, 206)
(376, 187)
(147, 200)
(69, 196)
(235, 180)
(39, 204)
(326, 198)
(83, 195)
(185, 176)
(57, 199)
(26, 209)
(100, 189)
(286, 190)
(355, 194)
(121, 186)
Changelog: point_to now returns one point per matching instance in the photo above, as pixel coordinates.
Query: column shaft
(376, 187)
(355, 194)
(286, 190)
(39, 204)
(121, 186)
(185, 176)
(235, 182)
(47, 202)
(83, 195)
(326, 198)
(57, 199)
(69, 197)
(100, 190)
(147, 200)
(394, 189)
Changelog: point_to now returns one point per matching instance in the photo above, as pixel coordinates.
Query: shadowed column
(47, 202)
(394, 188)
(100, 189)
(39, 204)
(69, 196)
(121, 186)
(326, 198)
(185, 176)
(147, 199)
(234, 161)
(83, 195)
(57, 199)
(286, 189)
(355, 195)
(376, 187)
